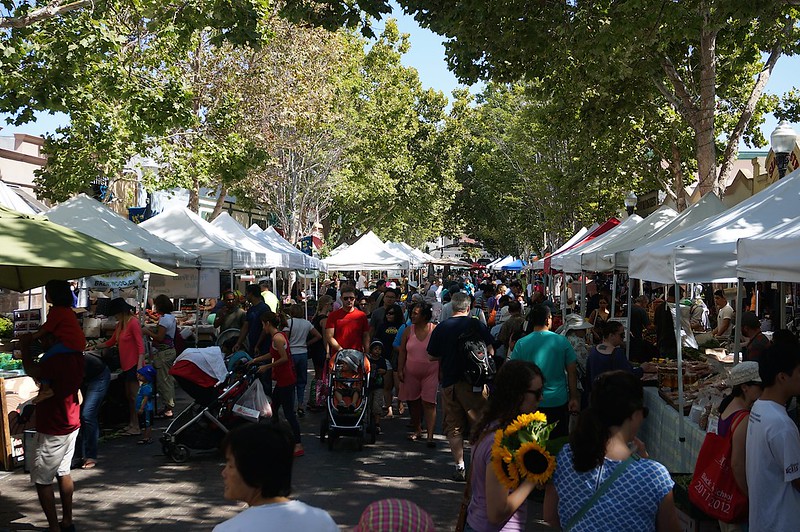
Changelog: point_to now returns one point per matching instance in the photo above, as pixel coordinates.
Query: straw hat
(573, 322)
(744, 372)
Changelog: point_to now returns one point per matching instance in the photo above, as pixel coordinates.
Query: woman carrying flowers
(603, 480)
(499, 480)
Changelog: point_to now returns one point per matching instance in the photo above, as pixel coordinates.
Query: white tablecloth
(661, 434)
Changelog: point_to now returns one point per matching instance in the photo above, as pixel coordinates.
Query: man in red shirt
(57, 425)
(347, 328)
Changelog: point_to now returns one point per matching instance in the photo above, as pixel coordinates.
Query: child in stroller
(349, 369)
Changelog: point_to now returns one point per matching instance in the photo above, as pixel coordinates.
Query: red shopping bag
(713, 488)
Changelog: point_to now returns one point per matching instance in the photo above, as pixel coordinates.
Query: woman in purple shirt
(517, 390)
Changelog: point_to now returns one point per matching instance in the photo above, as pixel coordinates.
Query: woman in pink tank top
(419, 376)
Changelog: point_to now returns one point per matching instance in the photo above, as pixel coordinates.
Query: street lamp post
(630, 202)
(782, 141)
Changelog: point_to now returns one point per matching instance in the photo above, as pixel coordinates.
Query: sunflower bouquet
(520, 451)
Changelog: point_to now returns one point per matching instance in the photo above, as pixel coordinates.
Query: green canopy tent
(34, 250)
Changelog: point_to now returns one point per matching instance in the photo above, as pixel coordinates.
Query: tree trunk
(223, 191)
(677, 175)
(704, 128)
(194, 196)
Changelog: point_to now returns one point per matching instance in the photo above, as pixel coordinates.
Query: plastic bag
(253, 404)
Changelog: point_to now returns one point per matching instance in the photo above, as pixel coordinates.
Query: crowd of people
(572, 369)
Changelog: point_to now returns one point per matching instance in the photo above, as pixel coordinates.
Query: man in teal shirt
(556, 358)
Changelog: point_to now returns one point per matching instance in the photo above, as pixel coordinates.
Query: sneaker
(460, 475)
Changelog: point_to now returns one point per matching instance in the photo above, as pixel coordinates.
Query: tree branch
(51, 10)
(732, 148)
(681, 99)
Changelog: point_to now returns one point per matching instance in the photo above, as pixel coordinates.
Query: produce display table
(660, 432)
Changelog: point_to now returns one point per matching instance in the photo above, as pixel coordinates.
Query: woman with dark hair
(599, 316)
(127, 338)
(258, 471)
(608, 355)
(317, 351)
(283, 394)
(386, 331)
(734, 414)
(302, 335)
(636, 497)
(164, 345)
(417, 373)
(518, 388)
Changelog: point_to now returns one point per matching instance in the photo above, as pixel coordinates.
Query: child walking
(144, 402)
(378, 369)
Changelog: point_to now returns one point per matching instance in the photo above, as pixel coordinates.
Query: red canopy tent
(602, 228)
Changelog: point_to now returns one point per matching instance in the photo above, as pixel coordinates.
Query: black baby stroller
(203, 424)
(348, 404)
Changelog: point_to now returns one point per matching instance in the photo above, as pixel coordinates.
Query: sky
(427, 56)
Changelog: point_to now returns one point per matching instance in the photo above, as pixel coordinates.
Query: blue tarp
(515, 266)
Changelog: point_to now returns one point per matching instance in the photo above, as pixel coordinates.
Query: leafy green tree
(709, 60)
(114, 69)
(399, 176)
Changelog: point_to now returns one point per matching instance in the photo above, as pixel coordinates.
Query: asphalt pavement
(136, 487)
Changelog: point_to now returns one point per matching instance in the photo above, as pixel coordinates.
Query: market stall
(34, 250)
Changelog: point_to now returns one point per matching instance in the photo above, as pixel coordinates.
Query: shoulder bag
(580, 514)
(713, 488)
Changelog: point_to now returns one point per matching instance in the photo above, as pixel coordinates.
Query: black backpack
(479, 368)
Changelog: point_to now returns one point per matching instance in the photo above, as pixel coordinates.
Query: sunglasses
(537, 394)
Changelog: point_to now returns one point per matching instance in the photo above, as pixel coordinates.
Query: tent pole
(146, 290)
(197, 311)
(613, 294)
(737, 337)
(583, 295)
(563, 292)
(628, 337)
(679, 346)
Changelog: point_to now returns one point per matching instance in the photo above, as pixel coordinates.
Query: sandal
(414, 436)
(131, 432)
(166, 413)
(144, 441)
(88, 464)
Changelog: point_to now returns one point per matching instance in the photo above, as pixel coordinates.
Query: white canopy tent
(368, 252)
(92, 218)
(187, 230)
(404, 251)
(570, 261)
(771, 256)
(602, 258)
(708, 206)
(706, 252)
(539, 264)
(236, 232)
(296, 259)
(421, 257)
(9, 198)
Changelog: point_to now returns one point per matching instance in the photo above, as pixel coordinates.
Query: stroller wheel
(180, 454)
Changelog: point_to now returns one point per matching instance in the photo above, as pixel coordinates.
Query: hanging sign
(185, 285)
(114, 280)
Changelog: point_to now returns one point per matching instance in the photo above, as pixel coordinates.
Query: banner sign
(114, 280)
(185, 284)
(307, 245)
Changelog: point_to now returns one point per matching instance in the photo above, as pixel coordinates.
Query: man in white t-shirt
(773, 445)
(724, 316)
(361, 281)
